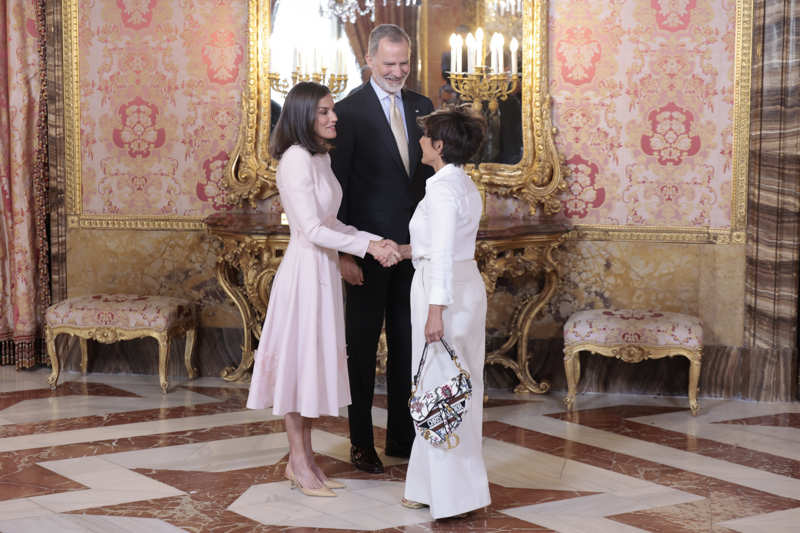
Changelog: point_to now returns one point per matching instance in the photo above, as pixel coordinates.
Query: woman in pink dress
(300, 366)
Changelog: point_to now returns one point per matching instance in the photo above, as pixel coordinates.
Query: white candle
(459, 51)
(496, 50)
(501, 41)
(479, 47)
(453, 52)
(512, 47)
(470, 53)
(300, 58)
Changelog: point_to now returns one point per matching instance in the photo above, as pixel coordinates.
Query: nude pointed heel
(333, 484)
(322, 491)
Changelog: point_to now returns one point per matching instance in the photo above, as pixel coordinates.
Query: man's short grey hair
(393, 32)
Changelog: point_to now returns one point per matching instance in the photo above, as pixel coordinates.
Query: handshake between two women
(386, 252)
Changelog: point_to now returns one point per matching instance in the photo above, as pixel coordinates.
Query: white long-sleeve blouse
(444, 227)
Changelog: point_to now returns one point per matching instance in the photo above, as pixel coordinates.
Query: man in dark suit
(377, 161)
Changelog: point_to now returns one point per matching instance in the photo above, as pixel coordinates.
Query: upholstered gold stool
(110, 318)
(632, 336)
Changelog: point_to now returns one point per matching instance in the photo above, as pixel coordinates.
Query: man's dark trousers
(389, 289)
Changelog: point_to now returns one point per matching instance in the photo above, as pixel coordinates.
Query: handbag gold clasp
(452, 441)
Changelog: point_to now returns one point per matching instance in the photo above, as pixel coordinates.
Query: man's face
(390, 65)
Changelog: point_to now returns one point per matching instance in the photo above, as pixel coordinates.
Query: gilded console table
(251, 248)
(252, 245)
(510, 248)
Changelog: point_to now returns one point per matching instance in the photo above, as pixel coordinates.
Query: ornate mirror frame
(536, 179)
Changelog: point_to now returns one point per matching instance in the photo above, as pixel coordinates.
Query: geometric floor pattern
(109, 453)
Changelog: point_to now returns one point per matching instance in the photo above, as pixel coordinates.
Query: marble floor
(110, 453)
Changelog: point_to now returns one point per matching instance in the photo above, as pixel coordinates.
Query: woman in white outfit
(448, 298)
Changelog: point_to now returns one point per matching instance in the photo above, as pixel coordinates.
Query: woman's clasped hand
(385, 251)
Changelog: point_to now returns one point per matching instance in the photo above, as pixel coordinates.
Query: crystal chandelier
(505, 7)
(349, 10)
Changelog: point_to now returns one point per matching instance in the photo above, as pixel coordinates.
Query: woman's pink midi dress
(301, 363)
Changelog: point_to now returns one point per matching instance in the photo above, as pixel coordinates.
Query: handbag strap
(453, 357)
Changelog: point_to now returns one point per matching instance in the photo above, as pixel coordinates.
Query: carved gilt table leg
(246, 267)
(529, 313)
(534, 259)
(224, 276)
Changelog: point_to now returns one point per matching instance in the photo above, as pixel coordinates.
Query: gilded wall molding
(72, 108)
(655, 234)
(741, 118)
(135, 222)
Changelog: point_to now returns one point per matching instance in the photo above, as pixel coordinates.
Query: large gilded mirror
(520, 159)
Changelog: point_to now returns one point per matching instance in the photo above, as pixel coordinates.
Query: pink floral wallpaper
(160, 96)
(643, 101)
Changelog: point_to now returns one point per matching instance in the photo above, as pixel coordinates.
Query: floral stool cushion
(111, 317)
(613, 327)
(632, 336)
(120, 311)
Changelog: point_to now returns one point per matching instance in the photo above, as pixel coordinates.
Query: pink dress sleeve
(299, 199)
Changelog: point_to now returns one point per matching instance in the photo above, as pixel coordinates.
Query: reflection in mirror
(308, 44)
(520, 159)
(479, 67)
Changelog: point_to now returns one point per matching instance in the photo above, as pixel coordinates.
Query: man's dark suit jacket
(379, 196)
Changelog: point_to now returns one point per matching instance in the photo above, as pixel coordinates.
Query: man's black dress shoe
(366, 459)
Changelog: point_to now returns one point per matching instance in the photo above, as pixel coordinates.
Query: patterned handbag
(438, 412)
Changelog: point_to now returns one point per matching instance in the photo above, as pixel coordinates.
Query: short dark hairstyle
(296, 123)
(393, 32)
(461, 131)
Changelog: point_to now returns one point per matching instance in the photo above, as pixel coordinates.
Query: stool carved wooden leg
(84, 354)
(50, 339)
(187, 357)
(572, 369)
(695, 361)
(163, 354)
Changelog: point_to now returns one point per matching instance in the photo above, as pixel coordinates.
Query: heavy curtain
(405, 17)
(773, 226)
(24, 281)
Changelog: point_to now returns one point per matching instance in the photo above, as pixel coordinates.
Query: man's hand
(351, 272)
(385, 252)
(405, 251)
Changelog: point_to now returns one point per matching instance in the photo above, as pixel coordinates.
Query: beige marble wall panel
(700, 279)
(171, 263)
(721, 296)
